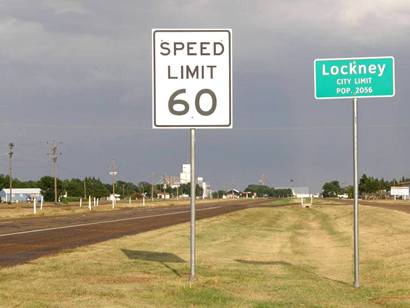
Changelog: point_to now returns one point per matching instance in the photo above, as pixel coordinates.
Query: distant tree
(349, 191)
(186, 189)
(74, 187)
(331, 189)
(96, 188)
(282, 193)
(144, 187)
(126, 189)
(221, 193)
(46, 184)
(373, 186)
(266, 191)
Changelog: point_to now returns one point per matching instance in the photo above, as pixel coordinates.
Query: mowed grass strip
(263, 257)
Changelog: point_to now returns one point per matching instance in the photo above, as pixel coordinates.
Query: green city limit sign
(354, 77)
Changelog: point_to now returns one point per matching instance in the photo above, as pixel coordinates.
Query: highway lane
(22, 240)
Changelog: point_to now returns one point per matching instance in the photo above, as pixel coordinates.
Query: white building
(300, 192)
(185, 175)
(20, 194)
(116, 197)
(185, 178)
(400, 191)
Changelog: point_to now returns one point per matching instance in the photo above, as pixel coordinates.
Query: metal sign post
(192, 88)
(193, 197)
(353, 78)
(356, 196)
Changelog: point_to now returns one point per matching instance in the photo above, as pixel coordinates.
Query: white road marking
(103, 222)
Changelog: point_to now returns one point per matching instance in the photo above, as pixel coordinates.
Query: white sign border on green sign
(355, 58)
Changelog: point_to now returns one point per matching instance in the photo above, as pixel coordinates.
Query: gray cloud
(80, 72)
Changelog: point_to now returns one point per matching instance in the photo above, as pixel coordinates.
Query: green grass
(264, 257)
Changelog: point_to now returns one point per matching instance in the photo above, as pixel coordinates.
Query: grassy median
(264, 257)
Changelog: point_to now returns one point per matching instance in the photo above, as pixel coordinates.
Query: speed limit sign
(192, 78)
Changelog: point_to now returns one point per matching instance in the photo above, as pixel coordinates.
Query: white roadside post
(81, 202)
(129, 200)
(143, 200)
(191, 89)
(98, 201)
(35, 206)
(113, 202)
(41, 202)
(89, 203)
(354, 78)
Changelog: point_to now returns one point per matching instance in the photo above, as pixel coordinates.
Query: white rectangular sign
(399, 191)
(192, 78)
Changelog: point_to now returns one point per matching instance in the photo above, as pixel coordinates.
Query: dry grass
(265, 257)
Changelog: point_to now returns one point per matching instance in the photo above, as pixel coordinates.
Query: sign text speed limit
(192, 84)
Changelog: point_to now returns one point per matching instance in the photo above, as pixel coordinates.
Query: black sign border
(155, 125)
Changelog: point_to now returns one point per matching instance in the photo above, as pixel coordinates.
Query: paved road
(397, 207)
(388, 205)
(25, 239)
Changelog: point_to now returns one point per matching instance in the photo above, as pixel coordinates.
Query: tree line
(368, 187)
(266, 191)
(91, 186)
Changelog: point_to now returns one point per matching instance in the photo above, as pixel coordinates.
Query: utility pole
(11, 146)
(85, 188)
(113, 174)
(152, 187)
(54, 154)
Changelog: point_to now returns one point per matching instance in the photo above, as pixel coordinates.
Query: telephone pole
(85, 189)
(152, 187)
(11, 146)
(54, 154)
(113, 173)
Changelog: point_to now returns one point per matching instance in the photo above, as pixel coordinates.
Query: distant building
(20, 194)
(248, 194)
(185, 178)
(162, 195)
(116, 197)
(185, 175)
(400, 192)
(232, 194)
(343, 196)
(300, 192)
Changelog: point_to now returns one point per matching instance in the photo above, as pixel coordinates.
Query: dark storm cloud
(80, 72)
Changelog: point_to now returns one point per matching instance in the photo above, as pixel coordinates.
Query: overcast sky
(79, 72)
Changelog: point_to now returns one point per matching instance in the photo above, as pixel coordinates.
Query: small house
(20, 194)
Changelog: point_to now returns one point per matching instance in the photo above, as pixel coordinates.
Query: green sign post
(354, 77)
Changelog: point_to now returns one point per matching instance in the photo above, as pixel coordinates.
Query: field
(261, 257)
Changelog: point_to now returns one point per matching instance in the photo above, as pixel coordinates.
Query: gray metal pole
(193, 195)
(356, 196)
(11, 145)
